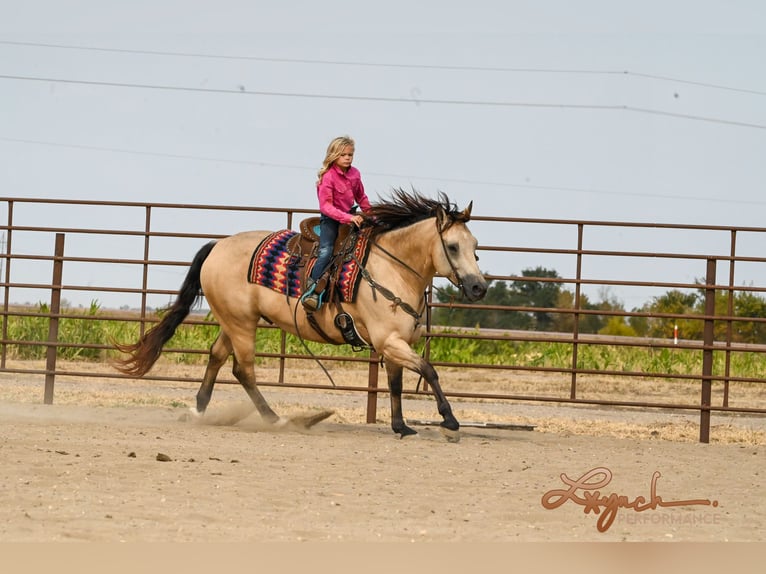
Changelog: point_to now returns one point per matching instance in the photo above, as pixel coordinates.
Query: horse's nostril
(478, 290)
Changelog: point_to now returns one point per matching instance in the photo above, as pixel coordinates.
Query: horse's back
(234, 251)
(224, 272)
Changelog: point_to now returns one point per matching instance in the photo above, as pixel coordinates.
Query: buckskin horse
(411, 239)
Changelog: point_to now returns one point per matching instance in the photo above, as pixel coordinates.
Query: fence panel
(71, 262)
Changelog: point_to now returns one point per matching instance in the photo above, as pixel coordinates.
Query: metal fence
(134, 255)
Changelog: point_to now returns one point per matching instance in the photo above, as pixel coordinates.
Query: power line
(478, 103)
(242, 91)
(154, 154)
(699, 84)
(314, 61)
(572, 189)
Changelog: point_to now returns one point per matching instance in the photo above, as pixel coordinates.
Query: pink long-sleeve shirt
(337, 192)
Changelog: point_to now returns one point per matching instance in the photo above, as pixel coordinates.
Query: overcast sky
(651, 111)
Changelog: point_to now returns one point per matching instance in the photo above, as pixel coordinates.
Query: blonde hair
(334, 151)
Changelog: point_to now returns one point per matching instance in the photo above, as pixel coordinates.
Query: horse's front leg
(395, 350)
(394, 373)
(449, 426)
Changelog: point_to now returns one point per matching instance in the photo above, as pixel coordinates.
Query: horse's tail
(145, 352)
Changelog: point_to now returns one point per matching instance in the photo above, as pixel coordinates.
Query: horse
(412, 239)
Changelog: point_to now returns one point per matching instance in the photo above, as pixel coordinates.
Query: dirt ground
(123, 466)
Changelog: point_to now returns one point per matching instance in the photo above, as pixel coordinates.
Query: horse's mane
(406, 208)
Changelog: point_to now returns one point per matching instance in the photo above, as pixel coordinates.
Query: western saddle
(305, 247)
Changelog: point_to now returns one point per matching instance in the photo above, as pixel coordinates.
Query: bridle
(458, 282)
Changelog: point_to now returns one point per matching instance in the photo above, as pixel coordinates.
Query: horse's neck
(412, 246)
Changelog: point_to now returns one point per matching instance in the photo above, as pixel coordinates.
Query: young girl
(338, 186)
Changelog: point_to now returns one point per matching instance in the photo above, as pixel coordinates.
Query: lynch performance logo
(586, 492)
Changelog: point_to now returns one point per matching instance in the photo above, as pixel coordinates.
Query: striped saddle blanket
(277, 264)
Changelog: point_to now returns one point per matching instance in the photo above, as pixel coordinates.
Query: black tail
(145, 352)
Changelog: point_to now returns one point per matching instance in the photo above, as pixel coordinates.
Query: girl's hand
(357, 220)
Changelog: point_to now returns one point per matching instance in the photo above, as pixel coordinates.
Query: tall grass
(88, 335)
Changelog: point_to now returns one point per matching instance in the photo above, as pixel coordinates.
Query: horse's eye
(452, 248)
(477, 257)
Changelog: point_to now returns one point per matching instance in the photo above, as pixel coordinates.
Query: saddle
(305, 246)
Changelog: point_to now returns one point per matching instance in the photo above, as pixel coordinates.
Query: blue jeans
(328, 233)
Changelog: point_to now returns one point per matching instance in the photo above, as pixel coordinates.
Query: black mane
(403, 209)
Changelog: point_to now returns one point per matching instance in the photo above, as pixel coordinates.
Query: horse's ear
(466, 215)
(442, 219)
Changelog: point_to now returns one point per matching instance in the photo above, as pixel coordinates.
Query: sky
(650, 111)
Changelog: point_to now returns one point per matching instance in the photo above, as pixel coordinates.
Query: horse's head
(455, 254)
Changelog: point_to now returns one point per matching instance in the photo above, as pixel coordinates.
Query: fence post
(708, 335)
(730, 312)
(53, 324)
(145, 267)
(7, 280)
(576, 315)
(372, 384)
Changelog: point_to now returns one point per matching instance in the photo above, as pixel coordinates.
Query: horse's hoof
(191, 415)
(280, 422)
(309, 421)
(450, 435)
(405, 432)
(303, 421)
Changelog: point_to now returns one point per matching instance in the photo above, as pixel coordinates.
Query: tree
(748, 304)
(678, 303)
(617, 326)
(564, 322)
(520, 293)
(498, 294)
(540, 294)
(533, 293)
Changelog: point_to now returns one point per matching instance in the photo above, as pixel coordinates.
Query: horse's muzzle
(474, 287)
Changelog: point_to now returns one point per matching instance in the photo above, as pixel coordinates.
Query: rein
(388, 294)
(305, 346)
(395, 258)
(397, 301)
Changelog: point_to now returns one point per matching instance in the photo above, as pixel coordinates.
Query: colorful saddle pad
(274, 266)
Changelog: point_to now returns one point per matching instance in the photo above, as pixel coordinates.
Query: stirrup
(345, 324)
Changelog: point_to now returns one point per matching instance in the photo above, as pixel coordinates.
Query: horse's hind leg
(219, 353)
(245, 374)
(244, 371)
(394, 373)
